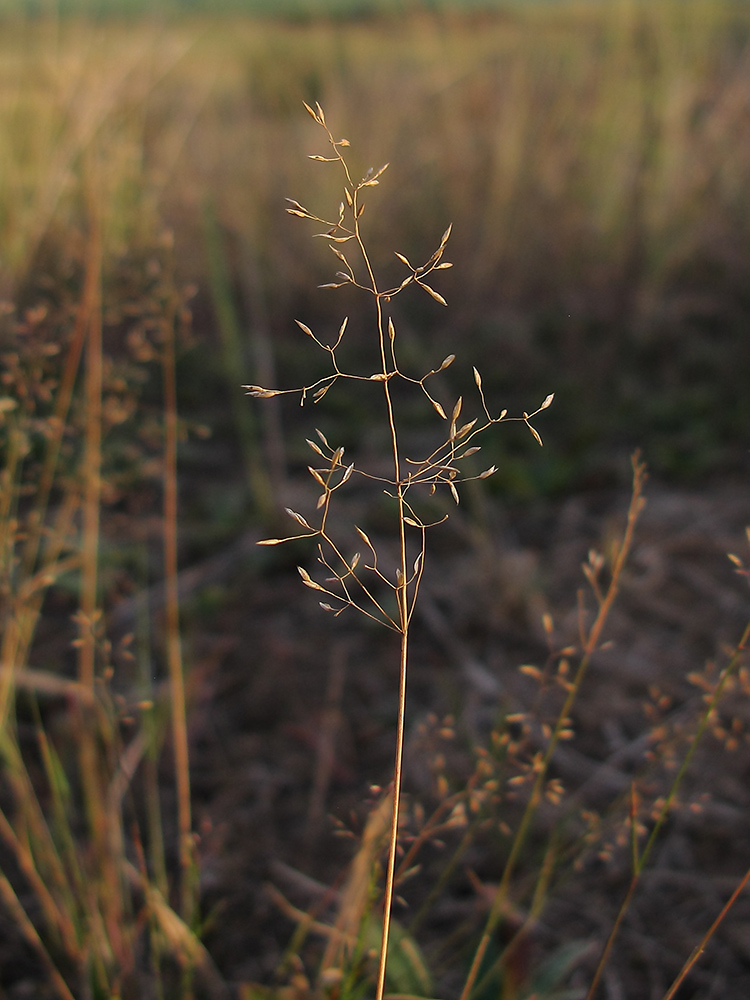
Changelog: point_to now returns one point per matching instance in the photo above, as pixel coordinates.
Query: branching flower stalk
(377, 595)
(640, 860)
(590, 639)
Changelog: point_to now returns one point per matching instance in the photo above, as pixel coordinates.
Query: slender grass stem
(728, 672)
(700, 948)
(542, 763)
(439, 468)
(172, 611)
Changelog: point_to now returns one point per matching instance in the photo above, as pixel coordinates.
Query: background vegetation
(593, 159)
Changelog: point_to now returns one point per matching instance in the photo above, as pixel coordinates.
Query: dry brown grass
(596, 164)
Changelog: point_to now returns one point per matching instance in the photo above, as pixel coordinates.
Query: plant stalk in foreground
(376, 594)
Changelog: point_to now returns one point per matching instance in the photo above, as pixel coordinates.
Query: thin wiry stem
(174, 650)
(403, 611)
(542, 761)
(728, 672)
(440, 468)
(700, 948)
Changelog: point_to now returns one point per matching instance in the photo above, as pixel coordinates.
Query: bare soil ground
(292, 723)
(294, 714)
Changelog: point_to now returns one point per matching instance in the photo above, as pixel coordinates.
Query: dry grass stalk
(188, 886)
(712, 701)
(69, 800)
(441, 467)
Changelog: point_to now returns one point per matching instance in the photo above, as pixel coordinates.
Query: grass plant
(440, 468)
(595, 158)
(92, 901)
(389, 597)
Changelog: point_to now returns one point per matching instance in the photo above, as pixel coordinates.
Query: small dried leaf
(348, 196)
(355, 561)
(311, 112)
(321, 116)
(322, 437)
(304, 328)
(378, 377)
(314, 472)
(297, 517)
(454, 492)
(333, 284)
(360, 210)
(321, 500)
(471, 451)
(339, 254)
(488, 472)
(431, 291)
(457, 409)
(547, 401)
(347, 475)
(404, 260)
(503, 415)
(371, 179)
(446, 235)
(271, 541)
(391, 330)
(411, 521)
(314, 447)
(364, 537)
(447, 362)
(477, 378)
(343, 142)
(322, 159)
(438, 408)
(301, 215)
(535, 432)
(442, 267)
(319, 393)
(325, 607)
(255, 390)
(463, 431)
(342, 328)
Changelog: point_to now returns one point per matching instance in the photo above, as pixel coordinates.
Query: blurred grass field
(591, 157)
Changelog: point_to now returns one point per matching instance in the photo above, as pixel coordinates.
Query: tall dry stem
(590, 642)
(441, 467)
(172, 610)
(640, 861)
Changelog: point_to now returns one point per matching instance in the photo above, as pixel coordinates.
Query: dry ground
(282, 685)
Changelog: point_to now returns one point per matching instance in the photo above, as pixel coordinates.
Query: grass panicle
(347, 587)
